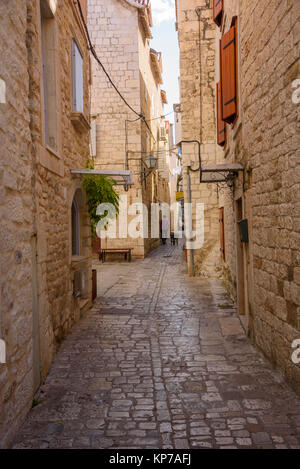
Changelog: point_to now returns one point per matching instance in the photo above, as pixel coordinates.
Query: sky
(165, 40)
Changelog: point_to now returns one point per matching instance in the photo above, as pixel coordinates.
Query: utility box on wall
(243, 226)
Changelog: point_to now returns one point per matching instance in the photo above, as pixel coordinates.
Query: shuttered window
(221, 126)
(218, 11)
(229, 74)
(83, 4)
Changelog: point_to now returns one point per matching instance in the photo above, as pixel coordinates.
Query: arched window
(75, 228)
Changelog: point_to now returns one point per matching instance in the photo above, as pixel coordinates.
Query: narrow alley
(160, 361)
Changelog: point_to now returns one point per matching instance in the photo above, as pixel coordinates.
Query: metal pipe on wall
(190, 253)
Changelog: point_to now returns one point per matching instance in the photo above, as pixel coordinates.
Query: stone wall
(37, 267)
(54, 185)
(16, 222)
(196, 34)
(120, 42)
(265, 138)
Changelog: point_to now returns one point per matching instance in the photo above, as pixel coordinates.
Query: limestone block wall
(120, 42)
(113, 28)
(16, 222)
(37, 267)
(54, 185)
(196, 34)
(265, 138)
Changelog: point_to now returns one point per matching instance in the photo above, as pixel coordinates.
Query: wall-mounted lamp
(150, 162)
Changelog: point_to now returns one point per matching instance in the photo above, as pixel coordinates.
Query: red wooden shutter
(229, 85)
(222, 234)
(221, 126)
(218, 11)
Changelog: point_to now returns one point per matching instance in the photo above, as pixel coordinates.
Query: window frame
(75, 227)
(229, 74)
(75, 87)
(218, 11)
(221, 125)
(49, 78)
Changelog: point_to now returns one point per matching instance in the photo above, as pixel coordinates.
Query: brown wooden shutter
(229, 85)
(218, 11)
(83, 4)
(221, 125)
(222, 233)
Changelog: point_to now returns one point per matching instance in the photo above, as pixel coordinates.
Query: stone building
(121, 33)
(258, 47)
(45, 234)
(249, 61)
(196, 36)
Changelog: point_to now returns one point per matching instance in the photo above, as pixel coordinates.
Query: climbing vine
(99, 189)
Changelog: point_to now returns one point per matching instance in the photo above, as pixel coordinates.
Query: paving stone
(169, 369)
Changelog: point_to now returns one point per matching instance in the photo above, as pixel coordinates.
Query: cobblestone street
(161, 361)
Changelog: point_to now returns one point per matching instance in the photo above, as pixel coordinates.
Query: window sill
(79, 122)
(52, 151)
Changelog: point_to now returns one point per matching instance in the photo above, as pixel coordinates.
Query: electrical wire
(94, 53)
(160, 117)
(140, 115)
(153, 151)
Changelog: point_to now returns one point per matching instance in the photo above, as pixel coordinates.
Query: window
(77, 77)
(75, 228)
(229, 75)
(48, 31)
(221, 126)
(218, 11)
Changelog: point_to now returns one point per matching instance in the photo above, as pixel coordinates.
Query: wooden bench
(125, 251)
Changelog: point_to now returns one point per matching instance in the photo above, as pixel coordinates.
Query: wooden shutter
(221, 126)
(218, 11)
(222, 233)
(229, 69)
(83, 4)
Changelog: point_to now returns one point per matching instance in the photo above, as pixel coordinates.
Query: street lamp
(150, 162)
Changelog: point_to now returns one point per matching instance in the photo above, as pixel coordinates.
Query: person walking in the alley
(165, 229)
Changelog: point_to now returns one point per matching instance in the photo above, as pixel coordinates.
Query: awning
(122, 177)
(220, 172)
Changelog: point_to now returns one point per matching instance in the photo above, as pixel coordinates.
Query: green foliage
(99, 189)
(35, 402)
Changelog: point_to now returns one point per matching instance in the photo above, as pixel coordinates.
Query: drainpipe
(190, 252)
